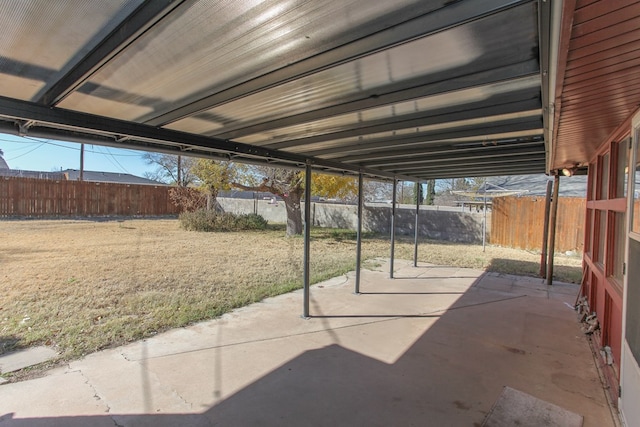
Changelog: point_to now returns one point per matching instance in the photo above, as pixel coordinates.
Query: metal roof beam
(452, 15)
(484, 172)
(416, 142)
(139, 21)
(409, 164)
(71, 121)
(446, 152)
(453, 163)
(480, 133)
(492, 107)
(402, 92)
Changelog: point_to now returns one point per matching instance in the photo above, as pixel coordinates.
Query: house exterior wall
(612, 271)
(604, 249)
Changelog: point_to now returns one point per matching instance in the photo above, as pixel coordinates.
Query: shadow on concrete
(450, 375)
(532, 269)
(373, 316)
(412, 293)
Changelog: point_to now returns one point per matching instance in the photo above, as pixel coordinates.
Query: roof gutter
(550, 14)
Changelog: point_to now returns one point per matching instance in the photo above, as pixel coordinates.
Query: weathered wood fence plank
(31, 197)
(518, 222)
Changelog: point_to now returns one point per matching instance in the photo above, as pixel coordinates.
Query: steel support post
(552, 229)
(307, 238)
(359, 234)
(393, 226)
(545, 231)
(415, 243)
(484, 220)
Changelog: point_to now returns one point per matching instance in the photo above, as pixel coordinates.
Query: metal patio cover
(404, 88)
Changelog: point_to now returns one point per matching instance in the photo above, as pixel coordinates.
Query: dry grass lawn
(85, 285)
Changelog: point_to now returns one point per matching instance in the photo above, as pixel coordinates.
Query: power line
(24, 154)
(114, 162)
(49, 142)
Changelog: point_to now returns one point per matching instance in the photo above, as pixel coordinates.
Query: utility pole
(179, 171)
(81, 162)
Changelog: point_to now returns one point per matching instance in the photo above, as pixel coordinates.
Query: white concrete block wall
(436, 222)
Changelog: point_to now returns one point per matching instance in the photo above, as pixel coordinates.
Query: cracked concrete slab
(20, 359)
(60, 393)
(435, 346)
(137, 389)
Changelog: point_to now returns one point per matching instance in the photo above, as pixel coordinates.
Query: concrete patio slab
(435, 346)
(16, 360)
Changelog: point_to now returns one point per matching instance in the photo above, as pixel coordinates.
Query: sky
(47, 155)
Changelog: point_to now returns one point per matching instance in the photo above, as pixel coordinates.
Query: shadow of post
(451, 374)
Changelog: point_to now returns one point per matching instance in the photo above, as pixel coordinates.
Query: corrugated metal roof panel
(459, 51)
(42, 40)
(424, 108)
(209, 45)
(329, 83)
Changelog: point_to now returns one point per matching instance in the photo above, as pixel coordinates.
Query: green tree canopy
(289, 185)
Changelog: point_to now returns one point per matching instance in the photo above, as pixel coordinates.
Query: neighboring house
(536, 185)
(32, 174)
(74, 175)
(113, 177)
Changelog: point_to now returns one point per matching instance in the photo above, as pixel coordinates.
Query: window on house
(619, 240)
(635, 224)
(588, 233)
(604, 177)
(622, 169)
(591, 187)
(600, 228)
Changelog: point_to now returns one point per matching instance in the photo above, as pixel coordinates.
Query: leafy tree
(418, 193)
(377, 191)
(477, 183)
(289, 185)
(170, 169)
(405, 194)
(334, 186)
(431, 192)
(214, 176)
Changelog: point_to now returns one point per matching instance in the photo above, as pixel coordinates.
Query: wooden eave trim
(566, 26)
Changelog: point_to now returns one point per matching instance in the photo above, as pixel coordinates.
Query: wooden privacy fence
(518, 222)
(31, 197)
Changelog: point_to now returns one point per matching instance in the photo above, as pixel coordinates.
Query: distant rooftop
(74, 175)
(114, 177)
(58, 176)
(536, 185)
